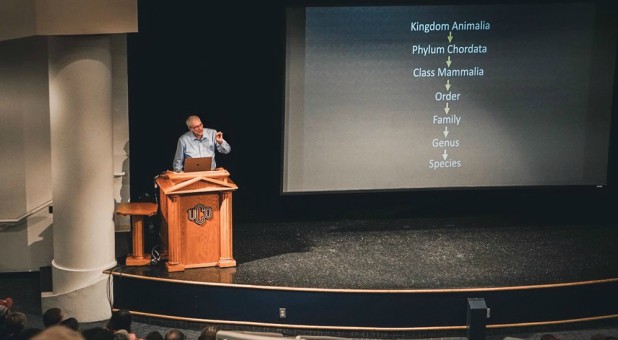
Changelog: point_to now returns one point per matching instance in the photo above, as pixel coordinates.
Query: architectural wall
(25, 150)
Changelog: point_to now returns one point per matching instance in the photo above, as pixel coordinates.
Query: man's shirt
(189, 146)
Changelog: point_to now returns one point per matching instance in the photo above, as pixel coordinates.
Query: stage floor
(411, 254)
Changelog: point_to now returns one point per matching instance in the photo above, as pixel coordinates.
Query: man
(199, 142)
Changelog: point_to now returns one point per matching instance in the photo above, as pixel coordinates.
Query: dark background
(224, 61)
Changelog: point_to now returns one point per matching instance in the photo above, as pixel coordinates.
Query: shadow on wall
(29, 244)
(122, 189)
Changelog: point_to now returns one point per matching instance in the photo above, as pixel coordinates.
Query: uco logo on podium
(199, 214)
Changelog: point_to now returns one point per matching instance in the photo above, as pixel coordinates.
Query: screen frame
(606, 14)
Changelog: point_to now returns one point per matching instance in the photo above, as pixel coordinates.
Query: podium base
(178, 267)
(224, 263)
(137, 261)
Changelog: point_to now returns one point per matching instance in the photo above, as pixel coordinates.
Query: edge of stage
(389, 276)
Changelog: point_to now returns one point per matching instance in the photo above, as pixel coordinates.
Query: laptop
(198, 164)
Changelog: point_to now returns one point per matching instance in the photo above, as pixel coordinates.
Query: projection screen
(406, 97)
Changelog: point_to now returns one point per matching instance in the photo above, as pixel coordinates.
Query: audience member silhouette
(58, 332)
(174, 334)
(72, 323)
(98, 333)
(52, 317)
(14, 323)
(154, 335)
(121, 320)
(208, 333)
(121, 334)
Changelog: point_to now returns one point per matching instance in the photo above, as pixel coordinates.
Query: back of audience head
(121, 334)
(72, 323)
(121, 319)
(14, 323)
(208, 333)
(58, 333)
(174, 334)
(52, 316)
(98, 333)
(154, 335)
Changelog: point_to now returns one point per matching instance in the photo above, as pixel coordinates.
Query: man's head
(194, 123)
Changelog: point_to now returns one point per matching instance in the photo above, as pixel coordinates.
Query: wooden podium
(137, 211)
(196, 210)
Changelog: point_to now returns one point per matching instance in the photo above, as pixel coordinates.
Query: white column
(80, 86)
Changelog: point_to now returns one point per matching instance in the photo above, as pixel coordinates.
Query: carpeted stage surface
(392, 254)
(413, 254)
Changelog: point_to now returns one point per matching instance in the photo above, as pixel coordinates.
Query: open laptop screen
(198, 164)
